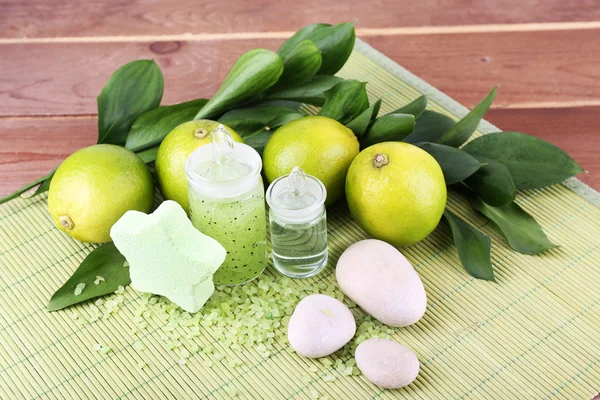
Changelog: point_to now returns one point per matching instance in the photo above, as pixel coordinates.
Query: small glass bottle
(227, 203)
(298, 224)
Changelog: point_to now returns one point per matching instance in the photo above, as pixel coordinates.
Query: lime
(321, 146)
(94, 187)
(396, 192)
(174, 151)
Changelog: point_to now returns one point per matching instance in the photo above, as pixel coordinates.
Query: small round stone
(320, 325)
(377, 277)
(386, 363)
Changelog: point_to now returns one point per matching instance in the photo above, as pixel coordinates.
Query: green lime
(174, 151)
(94, 187)
(321, 146)
(396, 192)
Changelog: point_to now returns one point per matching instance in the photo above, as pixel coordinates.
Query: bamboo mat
(533, 334)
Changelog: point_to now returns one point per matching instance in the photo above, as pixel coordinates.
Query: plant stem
(25, 188)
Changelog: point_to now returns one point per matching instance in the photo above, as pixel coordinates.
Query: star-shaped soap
(168, 256)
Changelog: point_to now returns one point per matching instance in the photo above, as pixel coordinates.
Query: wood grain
(532, 68)
(52, 18)
(31, 147)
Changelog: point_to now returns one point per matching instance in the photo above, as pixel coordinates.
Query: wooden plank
(574, 130)
(56, 18)
(533, 68)
(31, 147)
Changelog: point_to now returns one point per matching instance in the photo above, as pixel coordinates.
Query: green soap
(168, 256)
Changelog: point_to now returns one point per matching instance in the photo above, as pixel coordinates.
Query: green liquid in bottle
(240, 227)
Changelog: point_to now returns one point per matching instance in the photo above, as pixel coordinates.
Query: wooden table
(56, 55)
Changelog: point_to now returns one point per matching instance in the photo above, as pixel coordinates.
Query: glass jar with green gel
(226, 196)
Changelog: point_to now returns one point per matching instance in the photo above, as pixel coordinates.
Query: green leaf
(360, 124)
(429, 127)
(532, 162)
(256, 125)
(521, 231)
(253, 73)
(132, 90)
(152, 127)
(334, 42)
(415, 108)
(462, 131)
(492, 183)
(391, 127)
(345, 101)
(255, 134)
(294, 105)
(264, 115)
(310, 92)
(474, 247)
(149, 154)
(104, 261)
(301, 64)
(456, 164)
(303, 34)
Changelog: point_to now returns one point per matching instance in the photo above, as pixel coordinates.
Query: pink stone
(377, 277)
(386, 363)
(320, 325)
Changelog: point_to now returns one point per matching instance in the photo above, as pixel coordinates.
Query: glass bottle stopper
(222, 143)
(297, 180)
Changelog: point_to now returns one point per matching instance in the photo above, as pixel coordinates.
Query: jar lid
(297, 197)
(224, 168)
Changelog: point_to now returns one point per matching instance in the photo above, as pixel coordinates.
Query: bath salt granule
(79, 289)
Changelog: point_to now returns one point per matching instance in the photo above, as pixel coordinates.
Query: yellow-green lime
(321, 146)
(396, 192)
(94, 187)
(174, 151)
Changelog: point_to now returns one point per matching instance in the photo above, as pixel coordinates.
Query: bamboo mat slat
(533, 334)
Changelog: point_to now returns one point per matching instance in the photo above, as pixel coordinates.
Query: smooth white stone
(320, 325)
(386, 363)
(377, 277)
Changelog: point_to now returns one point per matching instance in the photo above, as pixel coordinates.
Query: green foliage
(345, 101)
(521, 231)
(532, 162)
(390, 127)
(474, 247)
(416, 107)
(104, 261)
(256, 124)
(152, 127)
(311, 92)
(334, 42)
(464, 128)
(252, 74)
(492, 183)
(135, 88)
(301, 64)
(429, 127)
(360, 124)
(456, 164)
